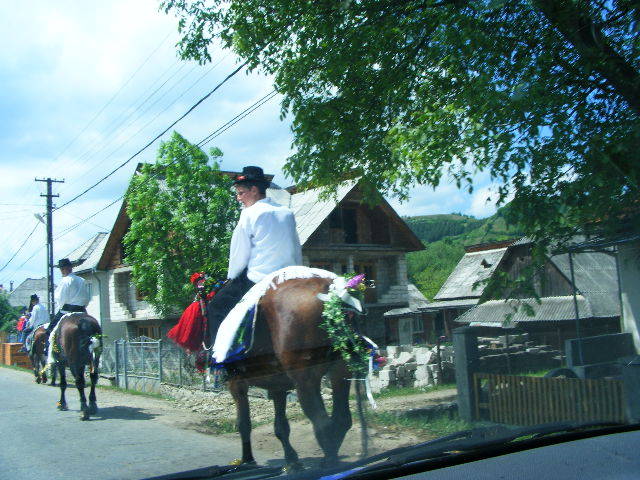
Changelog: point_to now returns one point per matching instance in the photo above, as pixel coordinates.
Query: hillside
(429, 268)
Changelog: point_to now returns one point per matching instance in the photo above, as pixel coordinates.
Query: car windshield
(249, 239)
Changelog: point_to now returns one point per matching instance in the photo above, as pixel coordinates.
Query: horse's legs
(78, 374)
(239, 390)
(282, 430)
(341, 414)
(308, 387)
(54, 373)
(62, 404)
(93, 406)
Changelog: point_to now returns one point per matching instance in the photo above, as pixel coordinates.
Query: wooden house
(338, 233)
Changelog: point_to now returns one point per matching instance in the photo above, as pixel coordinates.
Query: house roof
(21, 296)
(417, 302)
(473, 267)
(596, 278)
(87, 255)
(550, 309)
(309, 207)
(445, 304)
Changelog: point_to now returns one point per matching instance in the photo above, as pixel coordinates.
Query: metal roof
(21, 296)
(550, 309)
(87, 255)
(596, 278)
(444, 304)
(417, 302)
(473, 267)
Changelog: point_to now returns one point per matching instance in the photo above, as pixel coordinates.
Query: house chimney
(11, 286)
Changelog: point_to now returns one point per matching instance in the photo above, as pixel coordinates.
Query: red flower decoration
(196, 276)
(210, 295)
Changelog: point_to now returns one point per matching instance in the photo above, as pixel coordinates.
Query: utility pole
(50, 195)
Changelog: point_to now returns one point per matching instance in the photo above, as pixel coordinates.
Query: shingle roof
(473, 267)
(550, 309)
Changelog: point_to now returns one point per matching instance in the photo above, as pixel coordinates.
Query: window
(418, 325)
(345, 219)
(151, 330)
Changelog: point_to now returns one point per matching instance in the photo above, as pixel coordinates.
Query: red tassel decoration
(189, 331)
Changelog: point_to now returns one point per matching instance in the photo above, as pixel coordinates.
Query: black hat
(251, 174)
(35, 297)
(65, 262)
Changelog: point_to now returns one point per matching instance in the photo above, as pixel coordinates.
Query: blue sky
(77, 83)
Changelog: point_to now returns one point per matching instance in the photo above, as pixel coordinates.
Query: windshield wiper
(394, 461)
(483, 438)
(226, 472)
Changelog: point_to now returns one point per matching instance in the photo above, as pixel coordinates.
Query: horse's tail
(87, 330)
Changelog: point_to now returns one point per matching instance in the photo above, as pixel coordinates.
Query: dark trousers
(222, 303)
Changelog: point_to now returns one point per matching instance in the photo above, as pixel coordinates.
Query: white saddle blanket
(229, 326)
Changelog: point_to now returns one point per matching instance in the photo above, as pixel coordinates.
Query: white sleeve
(240, 249)
(62, 293)
(296, 241)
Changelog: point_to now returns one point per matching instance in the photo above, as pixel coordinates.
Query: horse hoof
(44, 379)
(62, 407)
(92, 409)
(38, 380)
(238, 461)
(84, 416)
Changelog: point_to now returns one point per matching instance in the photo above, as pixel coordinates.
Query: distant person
(71, 294)
(20, 325)
(39, 316)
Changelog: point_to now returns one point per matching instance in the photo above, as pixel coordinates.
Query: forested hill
(445, 237)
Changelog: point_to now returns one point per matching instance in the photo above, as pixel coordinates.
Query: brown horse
(72, 349)
(38, 356)
(290, 351)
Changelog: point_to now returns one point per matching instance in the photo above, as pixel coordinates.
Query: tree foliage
(544, 95)
(8, 314)
(182, 214)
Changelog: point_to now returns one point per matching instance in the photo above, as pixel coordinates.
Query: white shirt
(264, 240)
(72, 290)
(39, 316)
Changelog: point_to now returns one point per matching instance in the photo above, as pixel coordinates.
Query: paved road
(121, 442)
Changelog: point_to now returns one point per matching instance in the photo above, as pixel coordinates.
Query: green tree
(544, 95)
(182, 215)
(8, 314)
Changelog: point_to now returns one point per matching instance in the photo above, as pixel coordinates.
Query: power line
(19, 248)
(156, 116)
(218, 131)
(247, 111)
(193, 107)
(112, 98)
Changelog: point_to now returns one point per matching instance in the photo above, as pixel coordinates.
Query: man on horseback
(71, 294)
(39, 317)
(264, 241)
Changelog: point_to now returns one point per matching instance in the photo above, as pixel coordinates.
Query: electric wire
(19, 248)
(134, 135)
(113, 97)
(191, 109)
(218, 131)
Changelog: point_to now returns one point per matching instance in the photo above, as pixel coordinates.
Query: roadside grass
(133, 392)
(438, 427)
(405, 391)
(13, 367)
(219, 426)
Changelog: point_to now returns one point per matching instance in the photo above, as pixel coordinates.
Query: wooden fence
(520, 400)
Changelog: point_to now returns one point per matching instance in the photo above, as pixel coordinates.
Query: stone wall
(409, 366)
